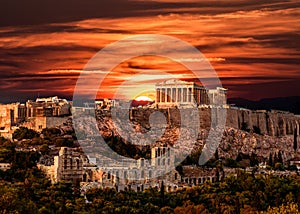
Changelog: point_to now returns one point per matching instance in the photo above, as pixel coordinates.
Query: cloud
(247, 42)
(18, 13)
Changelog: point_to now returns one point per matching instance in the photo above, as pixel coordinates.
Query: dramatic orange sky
(253, 45)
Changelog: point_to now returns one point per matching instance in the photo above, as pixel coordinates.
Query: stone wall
(39, 123)
(272, 123)
(8, 115)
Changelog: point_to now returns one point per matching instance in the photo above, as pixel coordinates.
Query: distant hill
(291, 104)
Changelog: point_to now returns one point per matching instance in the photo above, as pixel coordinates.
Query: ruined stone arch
(77, 163)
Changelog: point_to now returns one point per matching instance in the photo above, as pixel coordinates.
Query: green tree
(162, 193)
(24, 133)
(44, 149)
(51, 133)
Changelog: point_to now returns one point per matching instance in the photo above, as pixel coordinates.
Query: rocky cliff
(272, 123)
(246, 132)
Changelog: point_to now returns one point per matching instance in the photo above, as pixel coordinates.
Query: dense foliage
(127, 149)
(48, 136)
(25, 133)
(242, 194)
(25, 189)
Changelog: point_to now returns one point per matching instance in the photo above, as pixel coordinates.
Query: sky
(252, 45)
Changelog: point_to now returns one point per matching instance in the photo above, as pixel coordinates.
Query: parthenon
(181, 93)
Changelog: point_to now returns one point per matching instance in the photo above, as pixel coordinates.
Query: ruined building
(179, 93)
(105, 103)
(145, 173)
(10, 116)
(68, 166)
(39, 114)
(47, 107)
(73, 166)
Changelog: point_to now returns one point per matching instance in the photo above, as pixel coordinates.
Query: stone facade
(194, 176)
(104, 103)
(179, 93)
(48, 107)
(73, 166)
(68, 166)
(143, 174)
(39, 123)
(37, 115)
(11, 115)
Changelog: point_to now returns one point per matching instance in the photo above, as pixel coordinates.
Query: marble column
(181, 97)
(173, 95)
(166, 95)
(160, 95)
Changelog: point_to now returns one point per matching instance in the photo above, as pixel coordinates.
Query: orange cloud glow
(253, 44)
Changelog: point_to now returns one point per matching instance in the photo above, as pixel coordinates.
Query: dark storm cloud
(27, 59)
(33, 50)
(54, 28)
(274, 60)
(29, 12)
(28, 76)
(278, 88)
(284, 40)
(15, 12)
(5, 63)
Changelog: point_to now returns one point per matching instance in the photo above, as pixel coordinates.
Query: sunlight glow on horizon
(143, 98)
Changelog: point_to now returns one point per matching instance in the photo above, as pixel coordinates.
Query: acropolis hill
(272, 123)
(246, 131)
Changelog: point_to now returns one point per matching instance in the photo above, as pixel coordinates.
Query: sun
(143, 98)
